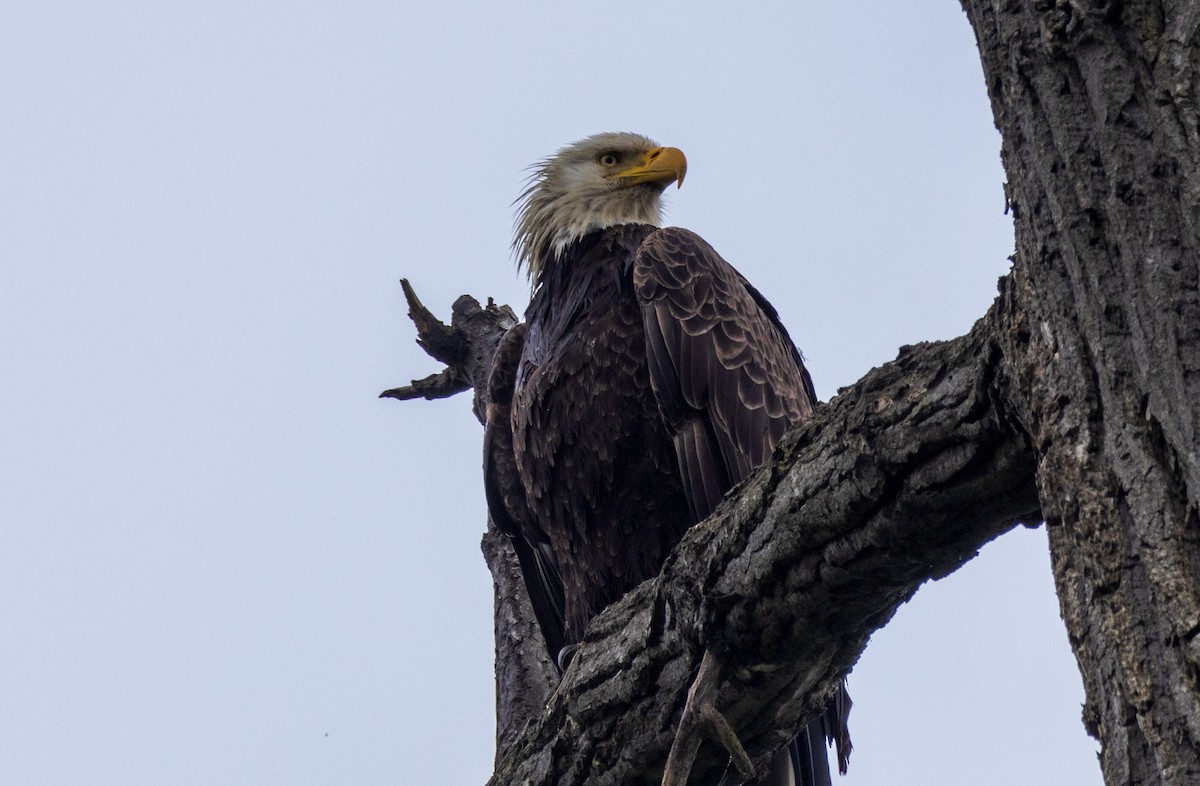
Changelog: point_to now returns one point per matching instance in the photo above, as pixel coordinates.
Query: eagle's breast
(595, 459)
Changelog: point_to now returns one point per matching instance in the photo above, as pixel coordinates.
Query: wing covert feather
(728, 379)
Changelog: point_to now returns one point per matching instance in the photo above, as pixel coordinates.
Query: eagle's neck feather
(551, 219)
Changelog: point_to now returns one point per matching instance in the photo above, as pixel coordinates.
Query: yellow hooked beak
(660, 165)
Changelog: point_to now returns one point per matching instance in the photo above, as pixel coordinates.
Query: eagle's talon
(565, 656)
(718, 728)
(701, 719)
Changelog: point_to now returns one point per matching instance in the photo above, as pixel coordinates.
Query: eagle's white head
(598, 182)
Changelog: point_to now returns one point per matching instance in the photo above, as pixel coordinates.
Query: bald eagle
(648, 378)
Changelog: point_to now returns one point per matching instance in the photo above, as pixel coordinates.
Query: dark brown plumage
(648, 379)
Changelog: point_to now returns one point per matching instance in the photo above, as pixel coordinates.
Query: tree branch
(899, 479)
(525, 674)
(466, 346)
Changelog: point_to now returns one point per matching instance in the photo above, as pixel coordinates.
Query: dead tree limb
(466, 346)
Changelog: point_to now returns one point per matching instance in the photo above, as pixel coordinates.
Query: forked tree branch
(900, 479)
(466, 346)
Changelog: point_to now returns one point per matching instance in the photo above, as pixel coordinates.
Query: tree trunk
(1096, 103)
(1078, 393)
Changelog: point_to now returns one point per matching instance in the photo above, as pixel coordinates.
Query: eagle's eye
(607, 159)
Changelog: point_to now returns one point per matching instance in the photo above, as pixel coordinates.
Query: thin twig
(444, 384)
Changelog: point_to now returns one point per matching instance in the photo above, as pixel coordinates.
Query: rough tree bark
(1096, 102)
(1076, 398)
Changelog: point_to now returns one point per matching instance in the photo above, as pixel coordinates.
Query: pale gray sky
(224, 561)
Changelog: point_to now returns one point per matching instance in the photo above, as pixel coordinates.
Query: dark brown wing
(730, 383)
(727, 376)
(506, 496)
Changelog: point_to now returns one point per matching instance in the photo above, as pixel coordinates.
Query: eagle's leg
(566, 657)
(701, 719)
